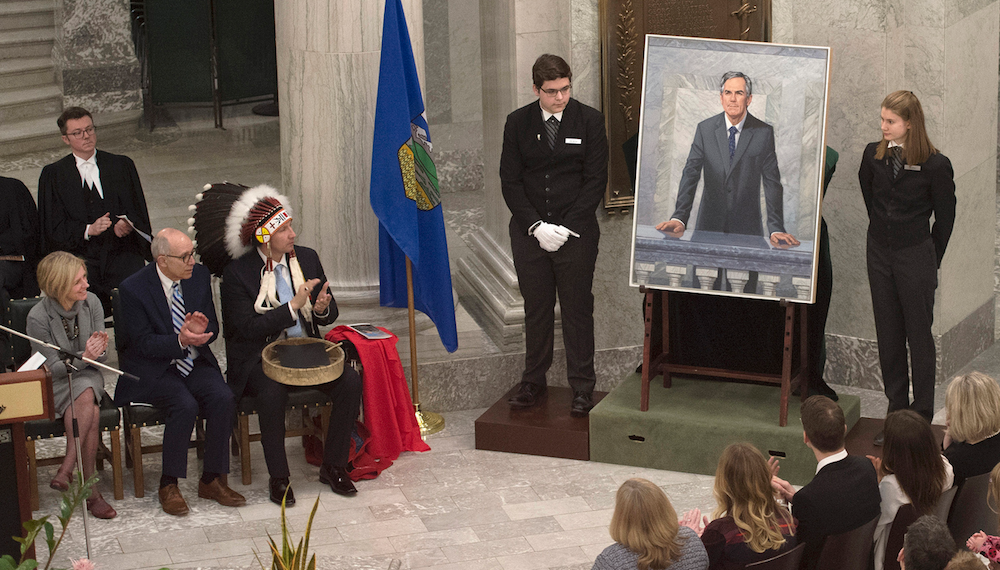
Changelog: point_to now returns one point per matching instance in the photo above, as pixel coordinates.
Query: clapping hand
(976, 541)
(193, 330)
(97, 345)
(693, 520)
(323, 299)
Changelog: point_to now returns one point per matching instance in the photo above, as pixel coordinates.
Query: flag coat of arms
(404, 187)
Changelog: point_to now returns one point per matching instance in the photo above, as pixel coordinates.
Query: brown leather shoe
(219, 491)
(172, 501)
(100, 508)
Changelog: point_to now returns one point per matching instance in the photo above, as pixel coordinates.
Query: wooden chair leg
(102, 453)
(116, 463)
(199, 438)
(244, 427)
(32, 473)
(137, 478)
(324, 414)
(128, 448)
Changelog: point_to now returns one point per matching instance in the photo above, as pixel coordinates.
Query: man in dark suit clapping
(844, 493)
(553, 171)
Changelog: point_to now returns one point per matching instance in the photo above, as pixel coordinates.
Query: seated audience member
(647, 534)
(19, 239)
(168, 323)
(272, 290)
(911, 471)
(72, 318)
(844, 493)
(972, 440)
(750, 525)
(988, 546)
(965, 560)
(927, 545)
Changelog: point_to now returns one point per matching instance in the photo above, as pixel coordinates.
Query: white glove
(550, 236)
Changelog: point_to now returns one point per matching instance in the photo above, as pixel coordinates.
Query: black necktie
(551, 128)
(897, 160)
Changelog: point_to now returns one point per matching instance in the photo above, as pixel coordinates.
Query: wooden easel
(656, 355)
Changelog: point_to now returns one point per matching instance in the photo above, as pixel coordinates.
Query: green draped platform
(688, 425)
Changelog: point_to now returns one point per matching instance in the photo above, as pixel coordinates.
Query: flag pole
(429, 421)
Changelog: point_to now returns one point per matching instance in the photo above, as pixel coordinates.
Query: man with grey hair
(735, 152)
(927, 545)
(168, 322)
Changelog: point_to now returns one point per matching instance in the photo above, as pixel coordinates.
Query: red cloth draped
(386, 396)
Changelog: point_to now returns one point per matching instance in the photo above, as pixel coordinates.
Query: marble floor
(453, 507)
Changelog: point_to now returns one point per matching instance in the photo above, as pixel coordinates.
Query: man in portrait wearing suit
(18, 239)
(735, 152)
(273, 290)
(168, 322)
(844, 493)
(553, 172)
(82, 199)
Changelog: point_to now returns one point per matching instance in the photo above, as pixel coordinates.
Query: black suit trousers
(902, 284)
(272, 399)
(202, 393)
(570, 273)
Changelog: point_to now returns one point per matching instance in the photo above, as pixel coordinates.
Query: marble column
(94, 56)
(328, 59)
(937, 49)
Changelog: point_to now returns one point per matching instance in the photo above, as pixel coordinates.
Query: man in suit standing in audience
(844, 493)
(83, 200)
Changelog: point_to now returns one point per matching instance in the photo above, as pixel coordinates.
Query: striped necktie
(897, 160)
(551, 128)
(186, 364)
(285, 295)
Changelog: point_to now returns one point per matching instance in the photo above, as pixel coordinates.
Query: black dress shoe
(527, 395)
(583, 402)
(338, 480)
(280, 488)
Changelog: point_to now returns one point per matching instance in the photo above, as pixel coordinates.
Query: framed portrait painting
(730, 168)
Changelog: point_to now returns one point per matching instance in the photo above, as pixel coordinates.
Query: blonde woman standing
(647, 534)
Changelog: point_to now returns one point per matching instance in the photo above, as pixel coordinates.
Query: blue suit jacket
(730, 201)
(146, 340)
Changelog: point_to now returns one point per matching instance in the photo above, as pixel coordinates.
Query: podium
(24, 396)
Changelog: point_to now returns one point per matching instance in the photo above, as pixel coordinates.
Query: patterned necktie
(551, 128)
(184, 365)
(897, 160)
(732, 142)
(285, 295)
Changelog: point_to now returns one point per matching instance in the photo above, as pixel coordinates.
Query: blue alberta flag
(404, 187)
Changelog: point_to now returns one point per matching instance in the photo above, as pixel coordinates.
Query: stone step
(25, 72)
(26, 14)
(30, 102)
(31, 135)
(31, 42)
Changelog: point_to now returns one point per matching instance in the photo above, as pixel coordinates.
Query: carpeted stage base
(688, 425)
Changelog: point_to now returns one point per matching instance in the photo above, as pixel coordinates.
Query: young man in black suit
(18, 239)
(167, 324)
(844, 493)
(81, 201)
(277, 289)
(553, 172)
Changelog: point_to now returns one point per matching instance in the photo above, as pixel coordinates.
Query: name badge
(914, 167)
(574, 141)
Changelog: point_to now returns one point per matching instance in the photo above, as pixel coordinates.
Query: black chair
(137, 416)
(970, 512)
(16, 317)
(904, 518)
(304, 399)
(6, 358)
(851, 550)
(788, 560)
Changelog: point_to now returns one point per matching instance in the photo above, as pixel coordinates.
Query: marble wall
(933, 48)
(94, 55)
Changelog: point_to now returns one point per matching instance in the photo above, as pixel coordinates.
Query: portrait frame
(725, 247)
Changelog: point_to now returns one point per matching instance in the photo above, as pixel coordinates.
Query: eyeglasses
(79, 134)
(184, 258)
(554, 92)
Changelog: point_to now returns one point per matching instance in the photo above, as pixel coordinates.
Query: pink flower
(83, 564)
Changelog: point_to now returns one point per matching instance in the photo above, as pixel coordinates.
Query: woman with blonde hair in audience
(647, 534)
(972, 440)
(910, 471)
(70, 317)
(749, 524)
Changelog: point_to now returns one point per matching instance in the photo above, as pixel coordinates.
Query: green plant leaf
(7, 562)
(49, 536)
